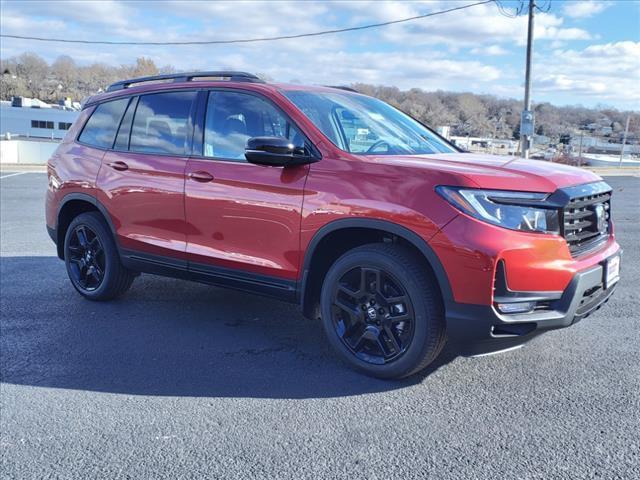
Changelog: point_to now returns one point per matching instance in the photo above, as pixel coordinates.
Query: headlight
(515, 210)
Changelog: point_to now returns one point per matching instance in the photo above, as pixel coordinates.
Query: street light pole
(624, 140)
(526, 123)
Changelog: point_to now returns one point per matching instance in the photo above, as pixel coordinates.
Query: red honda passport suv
(396, 239)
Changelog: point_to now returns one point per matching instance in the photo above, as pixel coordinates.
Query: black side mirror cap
(276, 152)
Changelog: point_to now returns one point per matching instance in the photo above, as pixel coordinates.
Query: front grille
(586, 222)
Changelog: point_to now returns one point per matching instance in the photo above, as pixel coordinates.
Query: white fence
(26, 151)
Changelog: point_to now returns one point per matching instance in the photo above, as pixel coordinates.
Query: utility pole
(624, 140)
(580, 149)
(526, 122)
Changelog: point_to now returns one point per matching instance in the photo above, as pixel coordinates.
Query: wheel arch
(72, 205)
(320, 254)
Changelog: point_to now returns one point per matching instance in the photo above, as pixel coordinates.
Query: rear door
(242, 216)
(142, 178)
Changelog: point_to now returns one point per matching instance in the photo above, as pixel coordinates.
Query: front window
(232, 118)
(364, 125)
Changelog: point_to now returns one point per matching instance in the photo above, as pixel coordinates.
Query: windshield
(365, 125)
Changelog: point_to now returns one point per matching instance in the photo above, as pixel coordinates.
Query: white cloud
(491, 50)
(585, 8)
(609, 72)
(479, 25)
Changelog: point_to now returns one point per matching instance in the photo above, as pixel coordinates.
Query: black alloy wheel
(373, 314)
(382, 310)
(86, 258)
(92, 259)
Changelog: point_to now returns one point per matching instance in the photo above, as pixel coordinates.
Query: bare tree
(65, 72)
(33, 71)
(466, 113)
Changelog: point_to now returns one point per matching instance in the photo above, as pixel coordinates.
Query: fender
(385, 226)
(89, 199)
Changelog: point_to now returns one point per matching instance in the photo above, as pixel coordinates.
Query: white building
(25, 117)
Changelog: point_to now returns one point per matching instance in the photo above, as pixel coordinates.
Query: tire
(384, 343)
(95, 271)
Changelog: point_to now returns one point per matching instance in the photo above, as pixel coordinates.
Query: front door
(243, 219)
(143, 177)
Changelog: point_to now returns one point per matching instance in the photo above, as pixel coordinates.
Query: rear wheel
(382, 311)
(92, 259)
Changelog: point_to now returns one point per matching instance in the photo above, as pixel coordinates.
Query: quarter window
(100, 129)
(232, 118)
(161, 123)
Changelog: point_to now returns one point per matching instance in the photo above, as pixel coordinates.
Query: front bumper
(481, 329)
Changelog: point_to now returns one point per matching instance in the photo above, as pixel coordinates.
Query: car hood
(494, 171)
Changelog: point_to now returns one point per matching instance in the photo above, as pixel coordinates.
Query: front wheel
(92, 259)
(382, 311)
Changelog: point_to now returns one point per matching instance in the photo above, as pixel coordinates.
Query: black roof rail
(340, 87)
(187, 77)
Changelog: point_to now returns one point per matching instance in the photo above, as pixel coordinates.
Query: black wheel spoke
(348, 292)
(98, 270)
(391, 336)
(396, 299)
(399, 318)
(352, 311)
(81, 233)
(363, 282)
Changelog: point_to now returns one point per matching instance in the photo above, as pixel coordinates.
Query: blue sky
(586, 52)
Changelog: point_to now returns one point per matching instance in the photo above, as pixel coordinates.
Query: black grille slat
(580, 227)
(576, 215)
(578, 237)
(587, 201)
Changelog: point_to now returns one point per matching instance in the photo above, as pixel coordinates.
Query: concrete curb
(22, 167)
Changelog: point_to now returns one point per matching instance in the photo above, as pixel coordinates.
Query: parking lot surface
(182, 380)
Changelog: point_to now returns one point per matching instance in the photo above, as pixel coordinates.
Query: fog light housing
(517, 307)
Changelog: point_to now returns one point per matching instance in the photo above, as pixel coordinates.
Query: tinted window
(100, 129)
(232, 118)
(161, 123)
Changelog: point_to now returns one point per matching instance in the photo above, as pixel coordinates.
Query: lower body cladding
(481, 329)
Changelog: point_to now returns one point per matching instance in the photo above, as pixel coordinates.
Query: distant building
(28, 117)
(602, 146)
(444, 130)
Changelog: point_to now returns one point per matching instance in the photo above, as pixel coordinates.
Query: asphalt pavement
(181, 380)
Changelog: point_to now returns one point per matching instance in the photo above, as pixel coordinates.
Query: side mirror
(276, 152)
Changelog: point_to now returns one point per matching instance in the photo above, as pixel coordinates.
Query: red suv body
(339, 203)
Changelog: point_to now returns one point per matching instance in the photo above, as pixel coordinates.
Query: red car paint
(263, 220)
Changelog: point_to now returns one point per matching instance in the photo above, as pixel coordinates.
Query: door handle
(201, 176)
(121, 166)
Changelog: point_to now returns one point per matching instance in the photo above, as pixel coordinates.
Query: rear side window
(161, 123)
(100, 129)
(122, 138)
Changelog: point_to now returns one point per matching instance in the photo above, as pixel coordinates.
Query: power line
(250, 40)
(544, 9)
(506, 13)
